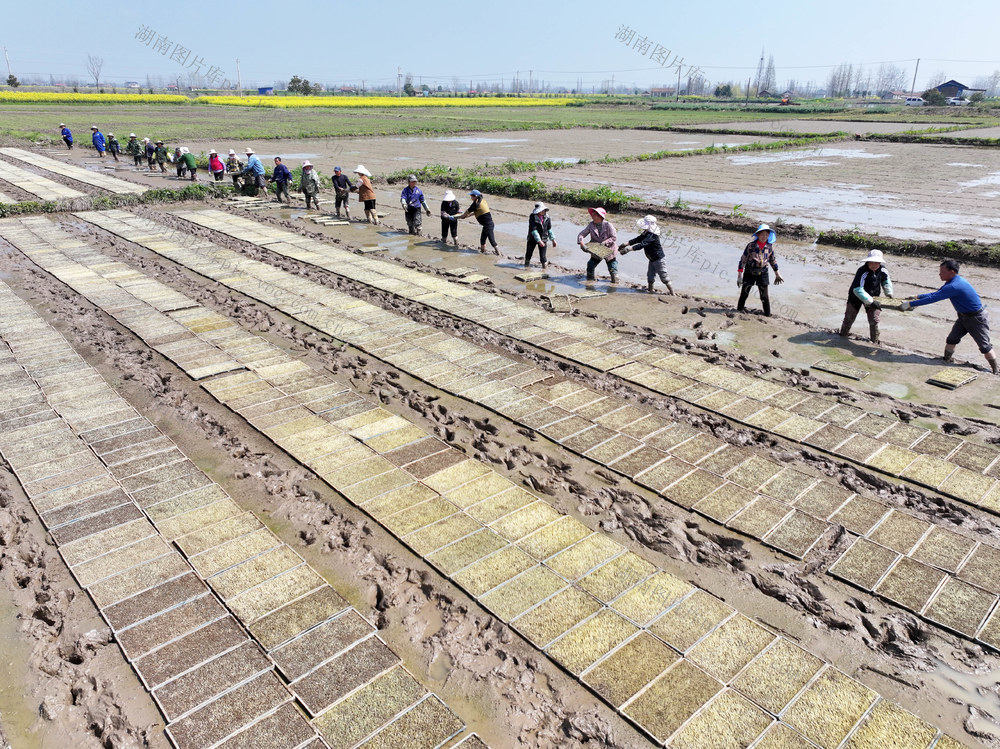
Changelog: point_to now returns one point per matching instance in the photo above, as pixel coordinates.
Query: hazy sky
(560, 42)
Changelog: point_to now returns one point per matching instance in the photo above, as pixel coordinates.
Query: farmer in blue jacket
(972, 317)
(255, 170)
(281, 177)
(98, 138)
(67, 136)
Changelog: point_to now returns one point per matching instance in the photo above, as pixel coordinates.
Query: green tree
(977, 97)
(724, 92)
(12, 81)
(295, 85)
(934, 98)
(408, 86)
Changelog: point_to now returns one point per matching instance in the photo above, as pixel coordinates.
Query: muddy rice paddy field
(270, 482)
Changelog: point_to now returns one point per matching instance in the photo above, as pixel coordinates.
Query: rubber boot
(590, 277)
(650, 289)
(873, 334)
(949, 353)
(614, 278)
(670, 289)
(991, 357)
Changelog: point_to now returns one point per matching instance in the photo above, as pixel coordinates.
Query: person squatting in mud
(254, 170)
(972, 315)
(601, 232)
(481, 210)
(539, 234)
(870, 280)
(649, 242)
(752, 268)
(411, 199)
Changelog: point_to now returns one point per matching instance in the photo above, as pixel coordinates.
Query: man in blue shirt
(281, 177)
(97, 138)
(67, 136)
(972, 317)
(412, 200)
(255, 170)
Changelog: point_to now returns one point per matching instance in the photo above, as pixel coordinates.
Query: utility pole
(399, 80)
(239, 81)
(530, 89)
(913, 88)
(517, 82)
(678, 95)
(612, 91)
(9, 73)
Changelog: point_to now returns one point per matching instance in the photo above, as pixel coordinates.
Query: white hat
(145, 140)
(361, 170)
(411, 178)
(62, 124)
(248, 151)
(213, 151)
(875, 256)
(184, 150)
(306, 163)
(131, 135)
(539, 207)
(93, 127)
(232, 152)
(449, 195)
(111, 135)
(648, 223)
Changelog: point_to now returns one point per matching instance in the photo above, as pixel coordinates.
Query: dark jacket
(868, 284)
(281, 174)
(543, 227)
(755, 259)
(450, 207)
(341, 182)
(648, 243)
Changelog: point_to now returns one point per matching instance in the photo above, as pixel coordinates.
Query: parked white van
(915, 101)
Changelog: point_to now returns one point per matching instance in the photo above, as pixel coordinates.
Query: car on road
(915, 101)
(958, 101)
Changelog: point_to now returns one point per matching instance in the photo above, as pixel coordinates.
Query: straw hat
(248, 151)
(875, 256)
(648, 223)
(361, 170)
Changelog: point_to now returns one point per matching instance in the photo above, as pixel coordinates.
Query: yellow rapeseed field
(284, 102)
(40, 97)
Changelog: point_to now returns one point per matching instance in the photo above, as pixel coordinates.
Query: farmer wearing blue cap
(752, 270)
(481, 211)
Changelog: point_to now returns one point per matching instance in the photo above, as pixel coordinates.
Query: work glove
(739, 280)
(777, 278)
(875, 304)
(905, 306)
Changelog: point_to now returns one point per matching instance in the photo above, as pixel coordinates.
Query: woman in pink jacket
(215, 165)
(601, 232)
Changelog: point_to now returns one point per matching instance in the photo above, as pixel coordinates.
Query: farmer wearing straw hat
(870, 280)
(366, 194)
(449, 217)
(66, 135)
(309, 184)
(97, 138)
(190, 163)
(160, 152)
(234, 167)
(539, 234)
(602, 231)
(134, 149)
(342, 188)
(752, 269)
(114, 147)
(649, 242)
(254, 170)
(481, 210)
(215, 165)
(412, 200)
(972, 315)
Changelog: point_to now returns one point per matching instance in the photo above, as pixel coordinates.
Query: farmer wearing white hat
(449, 217)
(752, 268)
(97, 138)
(254, 170)
(134, 149)
(66, 135)
(190, 163)
(869, 282)
(160, 152)
(539, 234)
(215, 165)
(649, 242)
(114, 147)
(309, 184)
(234, 167)
(366, 193)
(412, 201)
